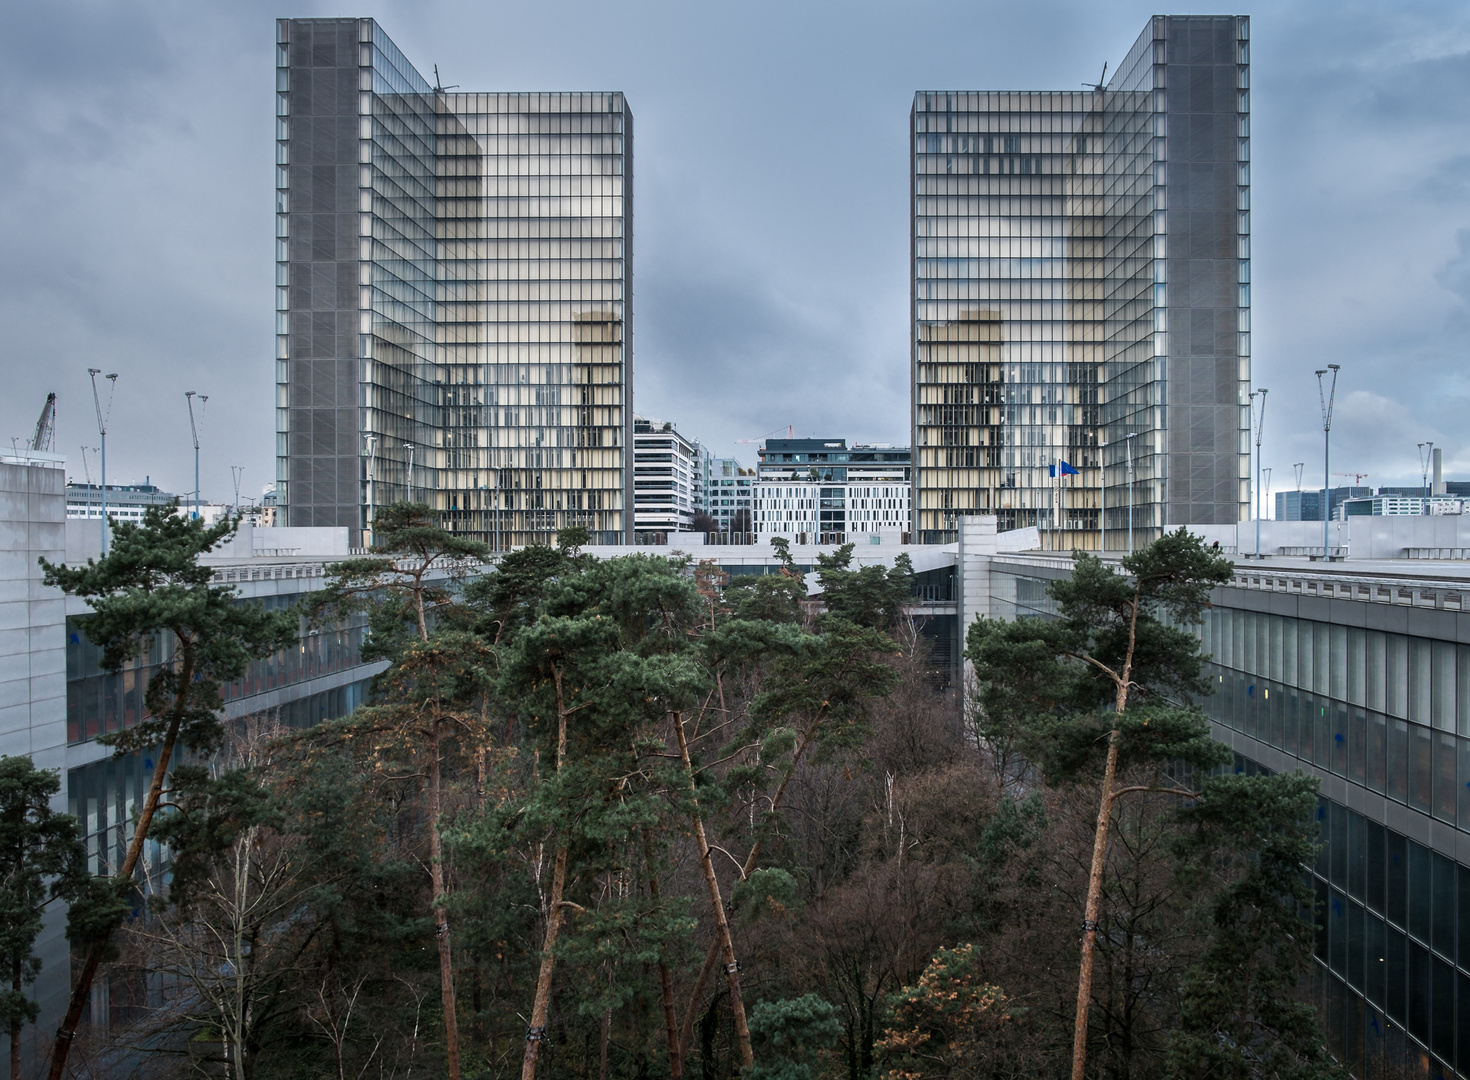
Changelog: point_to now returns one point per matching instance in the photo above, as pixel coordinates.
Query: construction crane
(1358, 477)
(790, 434)
(45, 426)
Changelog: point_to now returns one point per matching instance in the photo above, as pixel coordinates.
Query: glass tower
(454, 296)
(1081, 297)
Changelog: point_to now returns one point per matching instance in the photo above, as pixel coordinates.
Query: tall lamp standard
(1266, 491)
(189, 396)
(372, 441)
(1102, 519)
(1131, 436)
(409, 447)
(1326, 394)
(1260, 427)
(1426, 455)
(102, 418)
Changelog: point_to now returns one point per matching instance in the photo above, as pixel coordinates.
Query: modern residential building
(1307, 505)
(1081, 296)
(728, 490)
(823, 491)
(454, 301)
(668, 487)
(55, 699)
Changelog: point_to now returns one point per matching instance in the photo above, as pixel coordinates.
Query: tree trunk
(686, 1032)
(606, 1038)
(536, 1035)
(124, 876)
(15, 1031)
(1094, 907)
(665, 977)
(1099, 858)
(441, 913)
(722, 924)
(541, 1008)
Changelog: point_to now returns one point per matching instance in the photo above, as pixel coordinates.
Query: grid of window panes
(1388, 711)
(1134, 297)
(1393, 945)
(1044, 288)
(534, 234)
(1004, 386)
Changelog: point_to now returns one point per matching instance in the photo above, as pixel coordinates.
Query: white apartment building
(668, 481)
(823, 491)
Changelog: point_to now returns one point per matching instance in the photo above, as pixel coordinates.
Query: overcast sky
(136, 201)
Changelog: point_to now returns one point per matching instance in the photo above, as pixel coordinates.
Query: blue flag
(1066, 469)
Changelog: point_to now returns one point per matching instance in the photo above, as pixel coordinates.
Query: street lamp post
(409, 447)
(1326, 395)
(372, 441)
(1266, 491)
(1102, 519)
(1426, 455)
(189, 396)
(1131, 436)
(1260, 427)
(102, 418)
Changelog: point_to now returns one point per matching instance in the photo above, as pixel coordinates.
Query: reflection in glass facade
(1080, 268)
(454, 312)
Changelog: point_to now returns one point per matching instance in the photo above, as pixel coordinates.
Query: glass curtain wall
(1001, 398)
(535, 232)
(453, 310)
(1041, 297)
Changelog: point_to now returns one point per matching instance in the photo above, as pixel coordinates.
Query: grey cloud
(772, 252)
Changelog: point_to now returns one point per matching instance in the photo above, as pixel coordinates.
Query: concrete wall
(33, 679)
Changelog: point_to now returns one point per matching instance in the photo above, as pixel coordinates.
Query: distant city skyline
(772, 210)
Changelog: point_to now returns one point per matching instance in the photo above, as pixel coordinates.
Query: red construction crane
(1358, 477)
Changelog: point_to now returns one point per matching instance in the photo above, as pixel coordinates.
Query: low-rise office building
(125, 502)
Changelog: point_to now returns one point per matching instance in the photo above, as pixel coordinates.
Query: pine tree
(41, 860)
(1119, 639)
(436, 687)
(150, 587)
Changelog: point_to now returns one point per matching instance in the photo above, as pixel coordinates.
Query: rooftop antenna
(439, 88)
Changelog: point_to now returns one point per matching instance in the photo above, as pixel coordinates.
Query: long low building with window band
(1361, 677)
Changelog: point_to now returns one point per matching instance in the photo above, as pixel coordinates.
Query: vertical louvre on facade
(454, 296)
(1081, 275)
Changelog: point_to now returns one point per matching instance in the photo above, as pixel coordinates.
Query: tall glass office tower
(454, 308)
(1081, 297)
